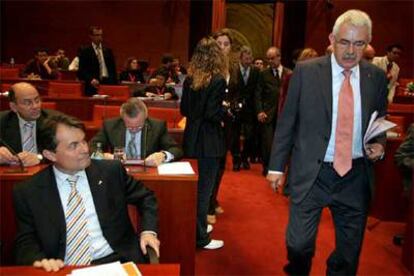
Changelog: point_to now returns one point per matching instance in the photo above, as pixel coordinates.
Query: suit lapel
(95, 184)
(52, 202)
(366, 88)
(146, 132)
(13, 132)
(325, 75)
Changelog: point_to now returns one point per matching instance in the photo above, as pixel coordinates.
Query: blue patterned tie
(28, 141)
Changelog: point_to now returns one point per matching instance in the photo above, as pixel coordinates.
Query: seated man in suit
(158, 88)
(141, 136)
(75, 211)
(19, 126)
(41, 67)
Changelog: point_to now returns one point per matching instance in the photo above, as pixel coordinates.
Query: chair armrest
(152, 255)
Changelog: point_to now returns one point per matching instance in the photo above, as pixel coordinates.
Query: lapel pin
(100, 182)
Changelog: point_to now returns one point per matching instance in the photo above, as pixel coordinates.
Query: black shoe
(236, 167)
(398, 239)
(264, 172)
(245, 165)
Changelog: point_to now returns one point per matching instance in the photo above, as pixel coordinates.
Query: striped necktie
(77, 235)
(28, 141)
(344, 127)
(132, 148)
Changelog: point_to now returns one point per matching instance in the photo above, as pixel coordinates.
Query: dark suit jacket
(126, 76)
(33, 66)
(304, 128)
(204, 134)
(89, 67)
(267, 93)
(10, 131)
(245, 93)
(41, 220)
(154, 137)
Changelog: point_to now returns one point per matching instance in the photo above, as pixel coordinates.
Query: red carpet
(253, 229)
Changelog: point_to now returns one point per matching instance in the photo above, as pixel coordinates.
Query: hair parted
(356, 18)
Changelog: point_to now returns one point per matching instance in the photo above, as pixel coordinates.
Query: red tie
(344, 127)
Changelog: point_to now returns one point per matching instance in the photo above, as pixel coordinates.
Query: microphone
(21, 166)
(145, 143)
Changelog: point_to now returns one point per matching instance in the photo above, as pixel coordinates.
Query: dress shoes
(214, 244)
(219, 210)
(211, 219)
(209, 228)
(236, 167)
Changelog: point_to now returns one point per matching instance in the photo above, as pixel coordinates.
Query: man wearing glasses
(320, 131)
(19, 126)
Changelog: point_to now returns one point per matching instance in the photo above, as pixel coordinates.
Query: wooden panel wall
(143, 28)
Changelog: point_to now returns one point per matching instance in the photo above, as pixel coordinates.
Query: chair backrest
(115, 91)
(400, 108)
(5, 87)
(102, 112)
(9, 73)
(65, 89)
(49, 105)
(400, 121)
(171, 115)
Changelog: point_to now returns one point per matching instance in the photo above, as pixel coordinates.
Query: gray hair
(356, 18)
(245, 50)
(133, 107)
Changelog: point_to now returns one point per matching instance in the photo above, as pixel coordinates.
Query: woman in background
(131, 72)
(201, 104)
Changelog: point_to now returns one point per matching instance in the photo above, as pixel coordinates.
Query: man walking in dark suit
(321, 129)
(266, 100)
(75, 211)
(96, 63)
(19, 127)
(142, 137)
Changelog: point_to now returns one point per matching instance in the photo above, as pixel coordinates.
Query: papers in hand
(376, 127)
(111, 269)
(175, 168)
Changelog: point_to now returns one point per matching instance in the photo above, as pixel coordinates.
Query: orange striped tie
(344, 127)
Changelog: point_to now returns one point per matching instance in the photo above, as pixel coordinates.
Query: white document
(376, 127)
(134, 162)
(175, 168)
(111, 269)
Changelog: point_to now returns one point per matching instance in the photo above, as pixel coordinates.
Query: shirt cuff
(168, 156)
(148, 232)
(275, 172)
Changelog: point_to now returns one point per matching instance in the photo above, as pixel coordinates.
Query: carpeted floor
(253, 229)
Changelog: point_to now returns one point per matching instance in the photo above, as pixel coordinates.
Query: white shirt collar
(97, 46)
(338, 69)
(23, 121)
(61, 176)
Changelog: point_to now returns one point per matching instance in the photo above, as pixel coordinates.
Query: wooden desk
(387, 203)
(177, 201)
(150, 270)
(82, 107)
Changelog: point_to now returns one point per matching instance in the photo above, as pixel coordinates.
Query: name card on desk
(175, 168)
(111, 269)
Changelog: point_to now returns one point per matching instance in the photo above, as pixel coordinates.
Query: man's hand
(150, 94)
(275, 180)
(49, 264)
(95, 83)
(167, 96)
(374, 151)
(151, 240)
(261, 117)
(155, 159)
(6, 157)
(28, 158)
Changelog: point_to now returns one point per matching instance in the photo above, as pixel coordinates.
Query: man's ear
(13, 106)
(331, 39)
(50, 155)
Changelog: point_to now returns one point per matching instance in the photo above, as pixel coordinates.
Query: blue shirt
(337, 80)
(99, 245)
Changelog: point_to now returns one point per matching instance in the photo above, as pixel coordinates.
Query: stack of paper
(175, 168)
(111, 269)
(376, 127)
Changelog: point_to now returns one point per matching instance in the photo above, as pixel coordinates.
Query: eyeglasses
(344, 43)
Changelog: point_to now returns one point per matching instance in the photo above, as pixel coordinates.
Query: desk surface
(159, 269)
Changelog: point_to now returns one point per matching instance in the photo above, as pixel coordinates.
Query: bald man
(19, 125)
(369, 53)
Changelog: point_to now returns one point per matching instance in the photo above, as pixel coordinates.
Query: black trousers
(208, 169)
(348, 199)
(267, 130)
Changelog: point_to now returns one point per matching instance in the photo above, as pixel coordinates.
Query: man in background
(19, 126)
(41, 67)
(96, 63)
(388, 63)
